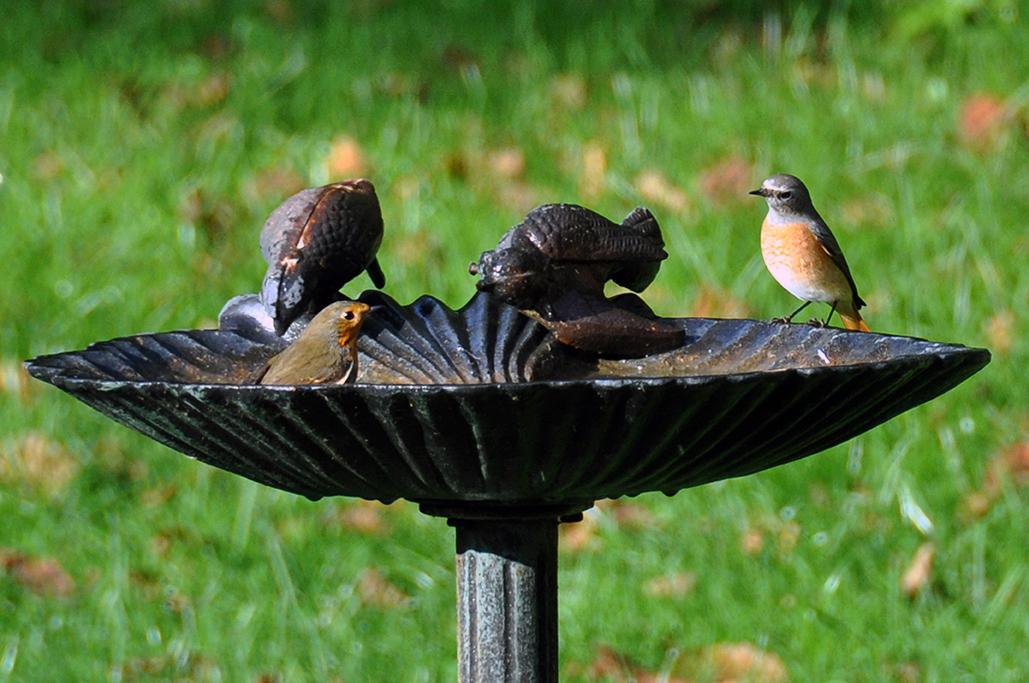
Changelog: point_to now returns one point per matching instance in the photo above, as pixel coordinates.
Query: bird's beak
(760, 192)
(473, 268)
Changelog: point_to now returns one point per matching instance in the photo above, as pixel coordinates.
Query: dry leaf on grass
(919, 571)
(675, 585)
(727, 181)
(579, 536)
(41, 575)
(1012, 464)
(982, 120)
(752, 541)
(654, 186)
(47, 165)
(376, 590)
(361, 516)
(506, 162)
(15, 381)
(593, 170)
(346, 159)
(569, 91)
(1000, 331)
(613, 666)
(273, 183)
(744, 662)
(158, 495)
(36, 460)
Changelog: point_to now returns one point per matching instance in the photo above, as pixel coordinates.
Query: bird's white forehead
(778, 184)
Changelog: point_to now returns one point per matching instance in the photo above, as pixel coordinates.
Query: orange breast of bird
(796, 259)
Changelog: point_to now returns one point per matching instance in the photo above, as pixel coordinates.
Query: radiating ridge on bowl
(480, 406)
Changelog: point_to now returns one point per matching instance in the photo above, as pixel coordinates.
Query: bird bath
(480, 416)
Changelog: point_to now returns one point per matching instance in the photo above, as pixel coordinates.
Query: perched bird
(326, 351)
(314, 243)
(802, 254)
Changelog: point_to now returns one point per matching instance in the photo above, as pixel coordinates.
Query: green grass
(184, 572)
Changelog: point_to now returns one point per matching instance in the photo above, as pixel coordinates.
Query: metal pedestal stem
(507, 600)
(507, 590)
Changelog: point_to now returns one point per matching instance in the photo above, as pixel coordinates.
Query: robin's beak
(760, 192)
(473, 268)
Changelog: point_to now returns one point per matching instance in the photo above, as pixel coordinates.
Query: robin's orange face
(348, 324)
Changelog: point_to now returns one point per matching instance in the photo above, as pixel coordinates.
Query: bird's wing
(831, 247)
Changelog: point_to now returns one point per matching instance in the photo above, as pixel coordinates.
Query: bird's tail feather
(853, 321)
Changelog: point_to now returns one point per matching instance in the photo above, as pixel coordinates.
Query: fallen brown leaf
(654, 186)
(362, 516)
(158, 495)
(752, 541)
(675, 585)
(569, 91)
(789, 534)
(212, 90)
(1011, 464)
(37, 461)
(376, 590)
(47, 165)
(982, 120)
(41, 575)
(907, 672)
(507, 162)
(274, 182)
(727, 181)
(15, 381)
(919, 571)
(280, 11)
(613, 666)
(745, 661)
(628, 515)
(593, 170)
(346, 159)
(999, 330)
(579, 536)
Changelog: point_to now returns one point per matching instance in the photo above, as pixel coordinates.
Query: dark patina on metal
(555, 263)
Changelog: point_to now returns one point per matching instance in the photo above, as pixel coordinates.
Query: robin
(324, 353)
(802, 254)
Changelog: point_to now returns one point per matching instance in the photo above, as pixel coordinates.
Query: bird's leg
(791, 316)
(815, 322)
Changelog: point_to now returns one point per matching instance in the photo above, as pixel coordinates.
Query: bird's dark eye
(349, 315)
(786, 195)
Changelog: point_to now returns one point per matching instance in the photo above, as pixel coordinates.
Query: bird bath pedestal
(481, 417)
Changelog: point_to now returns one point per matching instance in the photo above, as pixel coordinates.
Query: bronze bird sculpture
(315, 242)
(324, 353)
(564, 246)
(553, 267)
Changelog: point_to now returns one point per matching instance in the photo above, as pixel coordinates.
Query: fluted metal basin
(481, 407)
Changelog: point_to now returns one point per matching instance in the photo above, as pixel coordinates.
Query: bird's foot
(815, 322)
(780, 320)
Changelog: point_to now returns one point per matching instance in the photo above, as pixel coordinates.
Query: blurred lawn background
(143, 144)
